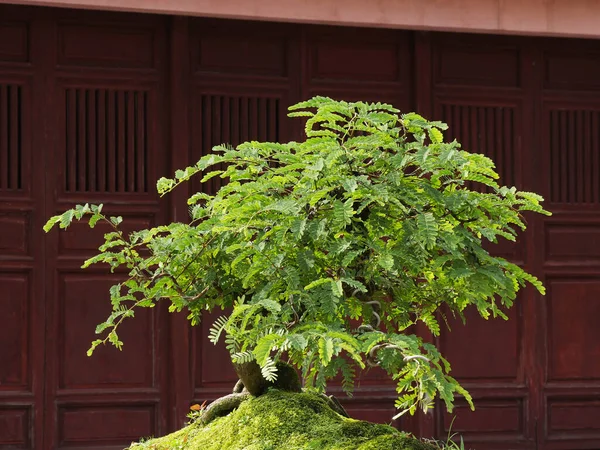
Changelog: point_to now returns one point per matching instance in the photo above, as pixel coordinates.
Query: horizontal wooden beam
(577, 18)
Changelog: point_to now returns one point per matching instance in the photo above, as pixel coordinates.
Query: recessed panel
(14, 42)
(96, 425)
(15, 425)
(105, 46)
(355, 94)
(213, 363)
(492, 417)
(245, 54)
(84, 303)
(477, 65)
(355, 61)
(573, 417)
(14, 331)
(573, 243)
(573, 338)
(14, 229)
(79, 236)
(572, 69)
(483, 350)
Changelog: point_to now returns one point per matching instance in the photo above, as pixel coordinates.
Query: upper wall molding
(577, 18)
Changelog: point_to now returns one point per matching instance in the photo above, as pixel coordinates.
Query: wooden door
(568, 244)
(81, 120)
(532, 105)
(21, 247)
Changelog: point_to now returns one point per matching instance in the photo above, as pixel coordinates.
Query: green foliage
(328, 250)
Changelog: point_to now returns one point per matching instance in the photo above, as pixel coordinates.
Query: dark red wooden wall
(96, 106)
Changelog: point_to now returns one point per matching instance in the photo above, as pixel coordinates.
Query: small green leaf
(325, 350)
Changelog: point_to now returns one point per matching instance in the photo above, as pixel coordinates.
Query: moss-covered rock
(285, 420)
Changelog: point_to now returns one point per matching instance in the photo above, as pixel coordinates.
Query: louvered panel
(489, 130)
(235, 119)
(574, 161)
(11, 138)
(106, 140)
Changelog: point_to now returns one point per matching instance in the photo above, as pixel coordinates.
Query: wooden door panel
(573, 308)
(482, 61)
(501, 420)
(495, 355)
(108, 426)
(213, 371)
(16, 230)
(14, 41)
(15, 426)
(15, 330)
(83, 303)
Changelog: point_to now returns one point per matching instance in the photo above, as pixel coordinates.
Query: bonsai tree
(326, 252)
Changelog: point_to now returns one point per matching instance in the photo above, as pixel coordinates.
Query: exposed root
(223, 406)
(335, 404)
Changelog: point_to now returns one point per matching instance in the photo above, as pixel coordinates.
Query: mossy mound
(285, 420)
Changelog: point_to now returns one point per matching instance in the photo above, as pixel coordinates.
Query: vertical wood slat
(207, 129)
(121, 143)
(580, 150)
(244, 133)
(91, 126)
(571, 152)
(130, 135)
(473, 129)
(112, 143)
(595, 174)
(81, 142)
(263, 119)
(234, 120)
(489, 127)
(497, 131)
(506, 155)
(554, 155)
(272, 122)
(71, 138)
(563, 156)
(587, 159)
(217, 137)
(102, 184)
(140, 142)
(4, 138)
(15, 137)
(252, 116)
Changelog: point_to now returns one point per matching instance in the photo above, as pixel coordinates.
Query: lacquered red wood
(96, 106)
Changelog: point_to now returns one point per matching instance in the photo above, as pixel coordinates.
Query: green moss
(285, 420)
